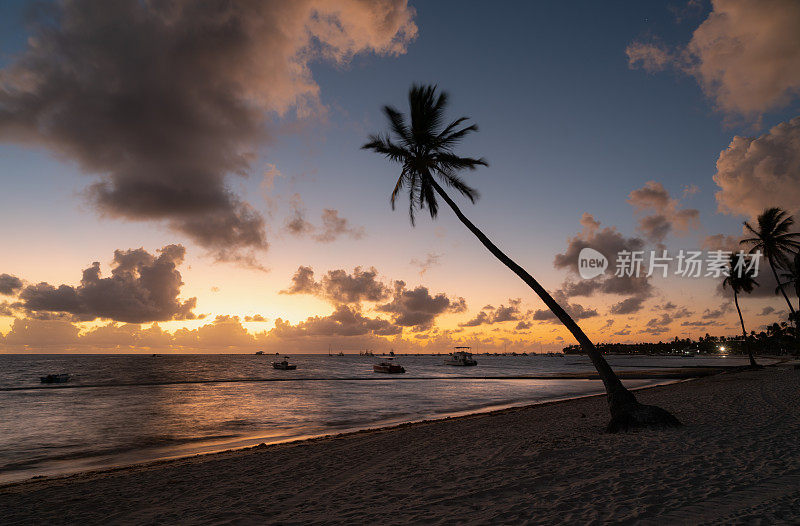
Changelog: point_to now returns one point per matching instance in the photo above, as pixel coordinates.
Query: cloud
(690, 189)
(666, 213)
(9, 285)
(721, 242)
(651, 57)
(344, 321)
(711, 314)
(338, 286)
(745, 55)
(142, 288)
(699, 323)
(662, 321)
(522, 325)
(458, 305)
(609, 242)
(766, 311)
(628, 305)
(164, 101)
(426, 264)
(33, 333)
(416, 307)
(489, 315)
(332, 227)
(335, 226)
(754, 173)
(255, 318)
(577, 311)
(127, 337)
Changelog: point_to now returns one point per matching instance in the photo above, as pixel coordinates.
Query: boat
(388, 366)
(284, 364)
(259, 353)
(55, 378)
(461, 356)
(340, 353)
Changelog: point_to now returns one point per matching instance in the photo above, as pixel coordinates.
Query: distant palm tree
(423, 146)
(740, 279)
(773, 238)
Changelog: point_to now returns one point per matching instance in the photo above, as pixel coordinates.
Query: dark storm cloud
(142, 288)
(9, 285)
(166, 99)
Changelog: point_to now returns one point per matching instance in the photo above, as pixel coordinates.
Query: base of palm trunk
(640, 416)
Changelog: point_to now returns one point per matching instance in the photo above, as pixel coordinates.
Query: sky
(188, 178)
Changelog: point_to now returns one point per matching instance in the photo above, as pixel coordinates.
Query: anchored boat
(461, 356)
(284, 364)
(388, 366)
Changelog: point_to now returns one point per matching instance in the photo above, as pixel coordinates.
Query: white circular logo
(591, 263)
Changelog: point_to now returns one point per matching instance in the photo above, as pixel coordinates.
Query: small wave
(145, 443)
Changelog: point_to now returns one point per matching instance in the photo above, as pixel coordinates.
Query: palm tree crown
(740, 278)
(772, 236)
(424, 148)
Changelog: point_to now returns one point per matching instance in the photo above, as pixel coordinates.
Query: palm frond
(424, 149)
(398, 124)
(454, 181)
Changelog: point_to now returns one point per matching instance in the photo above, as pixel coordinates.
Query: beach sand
(736, 460)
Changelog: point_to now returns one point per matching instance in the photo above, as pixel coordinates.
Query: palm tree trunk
(625, 410)
(744, 332)
(793, 317)
(780, 286)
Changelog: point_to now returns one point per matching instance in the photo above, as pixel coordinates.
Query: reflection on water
(53, 430)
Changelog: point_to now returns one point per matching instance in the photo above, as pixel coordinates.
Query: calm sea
(123, 409)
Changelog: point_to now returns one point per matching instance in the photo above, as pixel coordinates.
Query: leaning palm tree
(740, 279)
(772, 237)
(423, 146)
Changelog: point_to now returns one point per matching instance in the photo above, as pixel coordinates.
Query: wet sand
(737, 459)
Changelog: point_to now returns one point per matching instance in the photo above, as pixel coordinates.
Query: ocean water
(124, 409)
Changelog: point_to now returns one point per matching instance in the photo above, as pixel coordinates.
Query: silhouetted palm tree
(792, 277)
(740, 279)
(775, 241)
(423, 146)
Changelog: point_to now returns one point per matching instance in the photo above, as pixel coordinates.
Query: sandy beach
(736, 460)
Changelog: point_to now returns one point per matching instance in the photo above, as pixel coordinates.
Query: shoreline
(546, 462)
(387, 425)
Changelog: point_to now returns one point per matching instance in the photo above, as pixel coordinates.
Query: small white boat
(461, 356)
